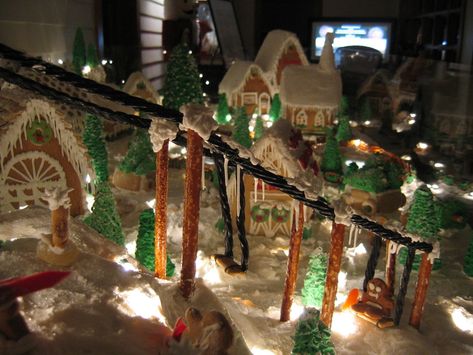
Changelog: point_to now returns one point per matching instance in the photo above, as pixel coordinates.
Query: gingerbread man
(376, 302)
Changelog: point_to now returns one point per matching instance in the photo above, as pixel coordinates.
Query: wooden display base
(372, 315)
(66, 257)
(228, 264)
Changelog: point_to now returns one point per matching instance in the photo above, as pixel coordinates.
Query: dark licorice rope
(216, 142)
(227, 217)
(245, 250)
(401, 295)
(91, 86)
(372, 261)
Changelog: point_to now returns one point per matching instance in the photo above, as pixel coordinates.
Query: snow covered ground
(104, 309)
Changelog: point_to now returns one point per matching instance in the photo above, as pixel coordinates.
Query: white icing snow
(243, 151)
(310, 86)
(159, 131)
(342, 211)
(57, 197)
(199, 118)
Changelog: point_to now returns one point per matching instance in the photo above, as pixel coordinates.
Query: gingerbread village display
(269, 188)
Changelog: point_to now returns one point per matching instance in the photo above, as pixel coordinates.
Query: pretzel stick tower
(161, 132)
(55, 248)
(199, 124)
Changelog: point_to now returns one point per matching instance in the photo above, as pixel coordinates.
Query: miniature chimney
(327, 59)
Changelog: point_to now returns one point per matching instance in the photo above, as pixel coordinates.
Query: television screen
(375, 35)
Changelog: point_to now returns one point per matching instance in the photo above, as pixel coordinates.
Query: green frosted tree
(314, 282)
(275, 110)
(344, 130)
(468, 261)
(78, 52)
(92, 57)
(182, 82)
(365, 110)
(223, 113)
(145, 244)
(312, 336)
(140, 158)
(104, 217)
(241, 133)
(95, 143)
(344, 107)
(451, 214)
(259, 128)
(422, 218)
(331, 158)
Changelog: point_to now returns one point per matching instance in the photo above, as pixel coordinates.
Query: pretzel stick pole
(60, 226)
(331, 283)
(421, 291)
(160, 222)
(191, 212)
(292, 266)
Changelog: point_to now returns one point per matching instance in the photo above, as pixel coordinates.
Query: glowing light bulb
(60, 61)
(411, 122)
(406, 157)
(110, 61)
(88, 179)
(207, 82)
(86, 70)
(367, 123)
(439, 165)
(422, 145)
(190, 52)
(201, 75)
(104, 61)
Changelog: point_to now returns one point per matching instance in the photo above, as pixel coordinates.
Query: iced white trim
(159, 131)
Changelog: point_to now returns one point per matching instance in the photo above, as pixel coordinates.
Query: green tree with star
(182, 83)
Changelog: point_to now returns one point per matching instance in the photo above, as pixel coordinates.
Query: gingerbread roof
(310, 86)
(138, 85)
(284, 143)
(19, 113)
(273, 48)
(237, 75)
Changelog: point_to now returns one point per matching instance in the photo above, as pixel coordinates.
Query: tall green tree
(104, 217)
(468, 261)
(241, 132)
(344, 107)
(275, 110)
(182, 83)
(145, 244)
(344, 130)
(312, 336)
(78, 52)
(259, 128)
(314, 282)
(222, 109)
(92, 57)
(331, 158)
(422, 218)
(140, 158)
(365, 110)
(95, 143)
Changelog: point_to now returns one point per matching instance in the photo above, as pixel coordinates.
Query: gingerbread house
(138, 85)
(378, 90)
(282, 150)
(310, 94)
(39, 150)
(245, 85)
(279, 49)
